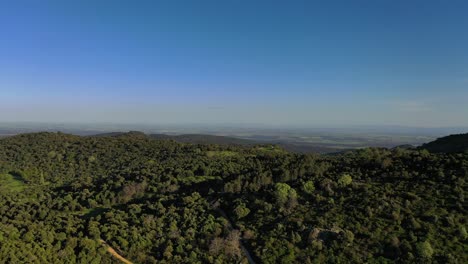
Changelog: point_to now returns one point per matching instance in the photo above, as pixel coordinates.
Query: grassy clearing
(222, 154)
(271, 149)
(11, 183)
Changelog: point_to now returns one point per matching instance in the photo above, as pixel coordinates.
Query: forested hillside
(185, 138)
(159, 201)
(448, 144)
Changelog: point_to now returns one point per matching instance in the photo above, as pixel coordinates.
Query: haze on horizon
(333, 63)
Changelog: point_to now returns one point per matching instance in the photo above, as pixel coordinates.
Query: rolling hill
(448, 144)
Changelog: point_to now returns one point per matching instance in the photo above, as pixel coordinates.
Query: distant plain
(303, 140)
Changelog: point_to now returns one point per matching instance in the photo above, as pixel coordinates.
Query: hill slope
(160, 201)
(448, 144)
(184, 138)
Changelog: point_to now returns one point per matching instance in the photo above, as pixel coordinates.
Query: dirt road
(114, 253)
(231, 227)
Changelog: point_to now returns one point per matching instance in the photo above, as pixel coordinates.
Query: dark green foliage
(158, 201)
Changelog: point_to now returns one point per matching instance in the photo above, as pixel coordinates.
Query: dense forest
(66, 199)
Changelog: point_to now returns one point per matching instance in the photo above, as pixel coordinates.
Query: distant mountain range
(448, 144)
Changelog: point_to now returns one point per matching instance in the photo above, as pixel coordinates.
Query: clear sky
(309, 63)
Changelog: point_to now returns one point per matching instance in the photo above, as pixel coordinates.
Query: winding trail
(114, 253)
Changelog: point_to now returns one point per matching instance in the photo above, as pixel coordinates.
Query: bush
(345, 180)
(241, 211)
(286, 196)
(424, 249)
(309, 187)
(282, 192)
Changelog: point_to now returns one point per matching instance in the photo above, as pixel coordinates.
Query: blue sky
(309, 63)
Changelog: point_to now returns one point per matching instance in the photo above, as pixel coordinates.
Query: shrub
(241, 211)
(424, 249)
(309, 187)
(345, 180)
